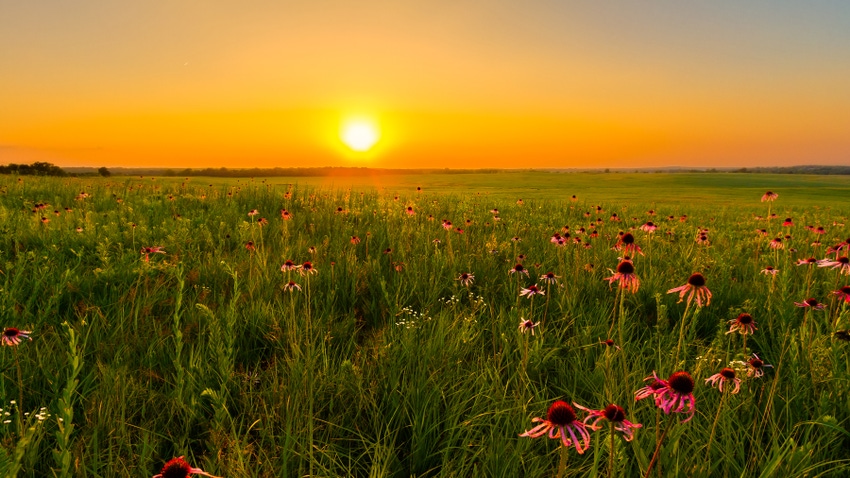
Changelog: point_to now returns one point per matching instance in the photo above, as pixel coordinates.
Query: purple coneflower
(843, 293)
(770, 271)
(694, 288)
(561, 420)
(777, 243)
(253, 212)
(531, 291)
(179, 468)
(410, 211)
(725, 375)
(614, 414)
(807, 262)
(291, 286)
(677, 395)
(355, 240)
(147, 251)
(755, 366)
(842, 264)
(550, 278)
(13, 336)
(787, 222)
(289, 265)
(466, 278)
(769, 196)
(810, 302)
(626, 276)
(743, 324)
(526, 325)
(649, 227)
(307, 268)
(518, 269)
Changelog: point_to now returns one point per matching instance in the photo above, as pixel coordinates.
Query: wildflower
(820, 230)
(755, 366)
(526, 325)
(694, 288)
(777, 243)
(627, 243)
(725, 375)
(787, 222)
(614, 414)
(307, 268)
(253, 212)
(79, 230)
(770, 271)
(743, 324)
(262, 222)
(769, 196)
(843, 293)
(626, 276)
(466, 278)
(520, 202)
(677, 394)
(807, 262)
(178, 468)
(550, 278)
(147, 251)
(285, 215)
(531, 291)
(649, 227)
(447, 225)
(291, 286)
(610, 343)
(289, 265)
(762, 232)
(561, 420)
(702, 239)
(355, 240)
(810, 302)
(410, 211)
(842, 264)
(13, 336)
(340, 210)
(249, 245)
(518, 269)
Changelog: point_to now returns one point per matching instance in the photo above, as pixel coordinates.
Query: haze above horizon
(435, 84)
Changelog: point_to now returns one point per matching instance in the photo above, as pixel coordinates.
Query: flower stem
(714, 427)
(562, 464)
(611, 453)
(20, 388)
(658, 448)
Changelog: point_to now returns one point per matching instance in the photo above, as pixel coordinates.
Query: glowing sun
(359, 135)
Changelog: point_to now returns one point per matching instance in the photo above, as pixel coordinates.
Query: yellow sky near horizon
(451, 84)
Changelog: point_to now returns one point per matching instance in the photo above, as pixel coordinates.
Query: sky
(446, 84)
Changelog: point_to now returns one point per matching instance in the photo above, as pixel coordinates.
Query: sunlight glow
(359, 135)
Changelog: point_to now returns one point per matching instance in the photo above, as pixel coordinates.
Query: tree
(104, 172)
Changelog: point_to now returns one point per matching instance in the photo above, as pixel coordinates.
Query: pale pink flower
(724, 376)
(531, 291)
(13, 336)
(694, 288)
(561, 423)
(743, 324)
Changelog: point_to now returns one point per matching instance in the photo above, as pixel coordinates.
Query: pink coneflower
(466, 278)
(770, 271)
(409, 211)
(340, 210)
(694, 288)
(820, 230)
(147, 251)
(724, 376)
(550, 278)
(573, 198)
(787, 222)
(614, 414)
(307, 268)
(289, 265)
(291, 286)
(447, 225)
(627, 244)
(843, 293)
(526, 325)
(807, 262)
(459, 230)
(653, 389)
(178, 468)
(531, 291)
(702, 239)
(762, 232)
(649, 227)
(769, 196)
(520, 202)
(518, 269)
(755, 366)
(253, 212)
(285, 215)
(355, 240)
(683, 218)
(249, 245)
(743, 324)
(811, 302)
(561, 420)
(626, 276)
(678, 395)
(494, 212)
(842, 264)
(262, 222)
(614, 217)
(13, 336)
(777, 243)
(610, 343)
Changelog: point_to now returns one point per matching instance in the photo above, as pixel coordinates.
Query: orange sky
(451, 84)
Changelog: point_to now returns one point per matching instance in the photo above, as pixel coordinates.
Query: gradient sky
(455, 83)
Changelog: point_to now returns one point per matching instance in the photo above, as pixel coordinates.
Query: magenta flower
(694, 288)
(550, 278)
(810, 302)
(755, 366)
(614, 414)
(307, 268)
(743, 324)
(649, 227)
(676, 394)
(179, 468)
(518, 269)
(526, 325)
(289, 265)
(147, 251)
(627, 244)
(843, 293)
(724, 376)
(13, 336)
(769, 196)
(466, 278)
(807, 262)
(559, 422)
(626, 276)
(531, 291)
(842, 264)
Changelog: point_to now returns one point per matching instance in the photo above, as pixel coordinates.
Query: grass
(383, 363)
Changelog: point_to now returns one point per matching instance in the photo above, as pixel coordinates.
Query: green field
(383, 363)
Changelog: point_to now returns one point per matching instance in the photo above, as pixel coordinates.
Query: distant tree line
(34, 169)
(327, 171)
(797, 170)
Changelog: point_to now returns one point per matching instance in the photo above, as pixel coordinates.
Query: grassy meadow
(163, 324)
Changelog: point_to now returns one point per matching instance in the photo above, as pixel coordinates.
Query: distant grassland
(165, 320)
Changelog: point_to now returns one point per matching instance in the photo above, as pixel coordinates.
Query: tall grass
(383, 364)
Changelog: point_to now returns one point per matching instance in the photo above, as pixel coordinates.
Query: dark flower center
(550, 275)
(769, 193)
(464, 276)
(11, 332)
(812, 301)
(727, 373)
(696, 280)
(519, 268)
(787, 219)
(844, 260)
(778, 239)
(625, 268)
(614, 413)
(628, 238)
(650, 224)
(609, 342)
(756, 363)
(307, 266)
(561, 414)
(845, 289)
(176, 468)
(532, 288)
(681, 382)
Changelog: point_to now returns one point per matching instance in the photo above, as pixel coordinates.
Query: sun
(359, 135)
